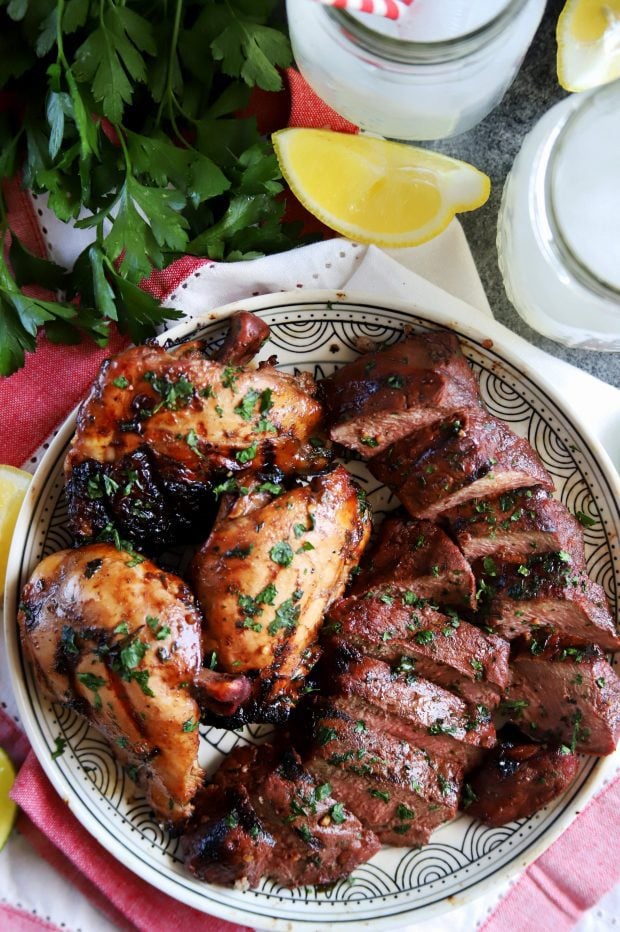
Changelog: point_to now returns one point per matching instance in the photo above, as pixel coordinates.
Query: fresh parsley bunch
(128, 110)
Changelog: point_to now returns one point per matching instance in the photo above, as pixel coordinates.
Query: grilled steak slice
(473, 455)
(397, 790)
(518, 779)
(393, 624)
(384, 395)
(414, 710)
(569, 694)
(263, 815)
(516, 525)
(418, 555)
(547, 591)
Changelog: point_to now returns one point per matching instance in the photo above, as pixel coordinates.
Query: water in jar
(559, 226)
(435, 72)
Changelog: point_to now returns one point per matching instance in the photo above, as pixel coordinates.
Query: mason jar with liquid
(435, 72)
(559, 224)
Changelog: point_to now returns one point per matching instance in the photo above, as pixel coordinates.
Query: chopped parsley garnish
(359, 727)
(282, 553)
(286, 617)
(469, 796)
(120, 381)
(230, 485)
(404, 812)
(174, 395)
(67, 640)
(272, 487)
(323, 791)
(304, 833)
(424, 637)
(379, 794)
(191, 439)
(230, 377)
(61, 745)
(489, 566)
(94, 684)
(232, 819)
(121, 628)
(477, 667)
(369, 441)
(337, 814)
(212, 660)
(324, 735)
(299, 530)
(160, 631)
(438, 728)
(395, 381)
(190, 725)
(600, 681)
(248, 454)
(515, 706)
(585, 519)
(245, 408)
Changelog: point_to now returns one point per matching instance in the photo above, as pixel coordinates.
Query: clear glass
(559, 224)
(413, 90)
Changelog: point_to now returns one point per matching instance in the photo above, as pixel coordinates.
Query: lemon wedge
(13, 485)
(375, 191)
(588, 36)
(8, 809)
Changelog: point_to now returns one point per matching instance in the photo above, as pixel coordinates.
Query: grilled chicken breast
(160, 427)
(267, 574)
(119, 641)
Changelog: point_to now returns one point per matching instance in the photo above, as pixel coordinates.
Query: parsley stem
(167, 94)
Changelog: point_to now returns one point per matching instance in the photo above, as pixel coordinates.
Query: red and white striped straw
(391, 9)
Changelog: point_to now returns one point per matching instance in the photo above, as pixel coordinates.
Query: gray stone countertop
(492, 146)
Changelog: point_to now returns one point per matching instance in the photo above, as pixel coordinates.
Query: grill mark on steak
(264, 815)
(514, 526)
(547, 591)
(391, 623)
(415, 710)
(398, 791)
(440, 467)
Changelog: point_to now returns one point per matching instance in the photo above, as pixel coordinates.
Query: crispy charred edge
(150, 509)
(491, 793)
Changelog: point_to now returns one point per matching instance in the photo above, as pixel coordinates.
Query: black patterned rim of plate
(398, 881)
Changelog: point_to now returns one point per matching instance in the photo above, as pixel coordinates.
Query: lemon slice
(588, 37)
(13, 485)
(376, 191)
(8, 809)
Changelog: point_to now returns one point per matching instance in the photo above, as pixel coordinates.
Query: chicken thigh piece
(160, 427)
(265, 578)
(119, 641)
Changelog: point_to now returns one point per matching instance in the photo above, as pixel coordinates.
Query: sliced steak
(397, 790)
(568, 694)
(546, 591)
(414, 710)
(418, 555)
(518, 779)
(394, 625)
(515, 526)
(384, 395)
(263, 815)
(473, 455)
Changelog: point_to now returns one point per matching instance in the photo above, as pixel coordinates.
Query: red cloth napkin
(568, 879)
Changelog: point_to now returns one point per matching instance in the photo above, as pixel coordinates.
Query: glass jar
(373, 71)
(559, 224)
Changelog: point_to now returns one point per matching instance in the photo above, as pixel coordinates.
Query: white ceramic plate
(318, 332)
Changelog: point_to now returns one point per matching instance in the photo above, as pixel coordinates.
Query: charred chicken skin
(267, 574)
(160, 427)
(119, 642)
